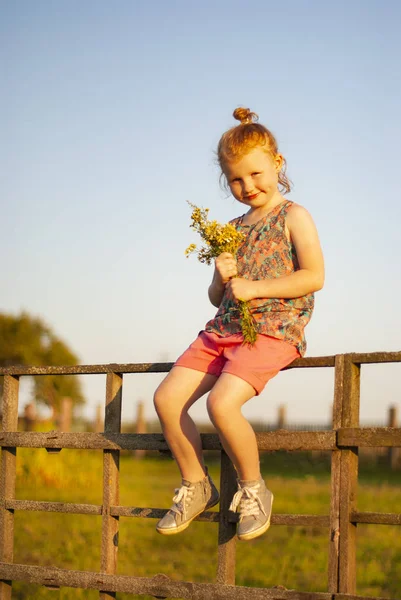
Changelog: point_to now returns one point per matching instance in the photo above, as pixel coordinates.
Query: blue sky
(110, 114)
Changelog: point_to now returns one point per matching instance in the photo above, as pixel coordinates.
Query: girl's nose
(248, 186)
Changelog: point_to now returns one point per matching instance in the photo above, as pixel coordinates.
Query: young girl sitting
(276, 270)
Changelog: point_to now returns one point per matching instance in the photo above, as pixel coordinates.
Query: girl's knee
(160, 402)
(218, 408)
(166, 405)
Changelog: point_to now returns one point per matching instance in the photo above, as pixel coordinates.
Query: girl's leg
(237, 436)
(253, 500)
(173, 398)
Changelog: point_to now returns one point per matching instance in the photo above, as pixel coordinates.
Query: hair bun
(245, 115)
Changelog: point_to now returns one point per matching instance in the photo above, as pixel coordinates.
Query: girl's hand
(226, 267)
(241, 289)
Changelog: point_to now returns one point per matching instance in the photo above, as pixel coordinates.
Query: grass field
(295, 557)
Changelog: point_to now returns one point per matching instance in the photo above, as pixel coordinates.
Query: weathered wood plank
(7, 479)
(60, 507)
(376, 518)
(85, 441)
(160, 585)
(157, 513)
(348, 481)
(310, 361)
(88, 369)
(269, 440)
(369, 437)
(361, 358)
(111, 472)
(334, 534)
(227, 529)
(301, 520)
(354, 597)
(296, 440)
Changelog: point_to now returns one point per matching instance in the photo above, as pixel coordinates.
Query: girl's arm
(216, 291)
(310, 276)
(225, 268)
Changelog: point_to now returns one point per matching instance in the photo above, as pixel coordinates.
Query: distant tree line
(27, 340)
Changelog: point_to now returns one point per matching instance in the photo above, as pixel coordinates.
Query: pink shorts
(213, 354)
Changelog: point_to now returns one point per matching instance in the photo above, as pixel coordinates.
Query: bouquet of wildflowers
(220, 238)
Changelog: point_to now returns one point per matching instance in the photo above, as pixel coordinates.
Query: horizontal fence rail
(343, 441)
(127, 368)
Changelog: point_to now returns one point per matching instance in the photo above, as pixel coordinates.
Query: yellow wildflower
(220, 238)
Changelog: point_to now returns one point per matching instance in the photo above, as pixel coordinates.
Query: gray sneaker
(255, 502)
(191, 500)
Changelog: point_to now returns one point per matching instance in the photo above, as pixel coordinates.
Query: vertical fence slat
(393, 454)
(349, 480)
(111, 469)
(335, 478)
(227, 530)
(7, 480)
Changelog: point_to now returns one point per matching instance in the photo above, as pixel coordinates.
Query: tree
(27, 340)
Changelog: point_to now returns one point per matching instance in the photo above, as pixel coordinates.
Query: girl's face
(253, 178)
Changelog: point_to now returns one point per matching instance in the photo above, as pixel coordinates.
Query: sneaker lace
(182, 496)
(248, 500)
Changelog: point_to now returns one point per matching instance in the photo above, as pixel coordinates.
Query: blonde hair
(239, 140)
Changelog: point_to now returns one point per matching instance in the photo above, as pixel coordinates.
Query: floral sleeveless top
(266, 253)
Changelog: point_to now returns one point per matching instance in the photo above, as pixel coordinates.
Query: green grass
(295, 557)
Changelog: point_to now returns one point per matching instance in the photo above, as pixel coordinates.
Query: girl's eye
(256, 173)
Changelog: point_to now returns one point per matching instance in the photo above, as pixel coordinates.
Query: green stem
(248, 323)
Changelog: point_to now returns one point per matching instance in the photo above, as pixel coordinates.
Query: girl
(277, 269)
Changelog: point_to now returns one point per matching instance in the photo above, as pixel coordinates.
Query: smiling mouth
(251, 197)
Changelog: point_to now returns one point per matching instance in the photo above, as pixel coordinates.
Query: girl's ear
(278, 162)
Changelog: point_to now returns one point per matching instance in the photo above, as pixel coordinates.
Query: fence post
(7, 480)
(140, 426)
(393, 453)
(281, 416)
(227, 529)
(29, 416)
(335, 478)
(99, 419)
(66, 414)
(111, 468)
(349, 479)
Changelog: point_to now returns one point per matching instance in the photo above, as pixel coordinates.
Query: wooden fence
(344, 440)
